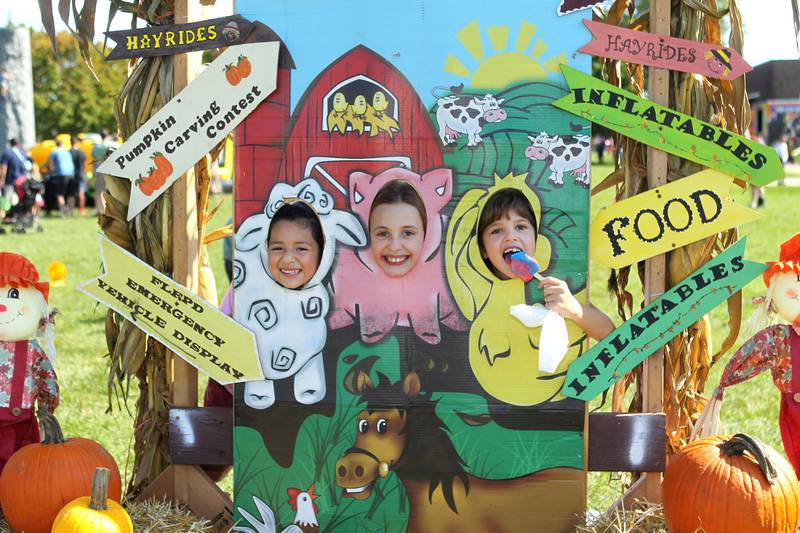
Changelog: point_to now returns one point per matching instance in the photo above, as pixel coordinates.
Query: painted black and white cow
(463, 114)
(565, 153)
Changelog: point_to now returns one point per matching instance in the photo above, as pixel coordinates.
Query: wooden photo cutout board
(388, 396)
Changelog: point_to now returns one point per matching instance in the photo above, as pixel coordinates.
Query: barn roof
(779, 79)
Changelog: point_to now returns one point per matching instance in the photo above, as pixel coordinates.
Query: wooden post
(181, 483)
(185, 248)
(655, 268)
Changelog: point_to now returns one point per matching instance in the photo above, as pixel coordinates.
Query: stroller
(22, 216)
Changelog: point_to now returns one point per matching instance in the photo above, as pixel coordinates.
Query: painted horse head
(397, 432)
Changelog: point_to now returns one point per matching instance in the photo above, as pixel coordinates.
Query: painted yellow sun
(502, 66)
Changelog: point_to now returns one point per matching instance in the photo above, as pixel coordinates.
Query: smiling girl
(294, 245)
(397, 226)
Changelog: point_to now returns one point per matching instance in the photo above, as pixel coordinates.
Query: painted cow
(361, 289)
(463, 114)
(289, 324)
(565, 153)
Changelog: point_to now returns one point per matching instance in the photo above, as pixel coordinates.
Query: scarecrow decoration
(26, 353)
(775, 348)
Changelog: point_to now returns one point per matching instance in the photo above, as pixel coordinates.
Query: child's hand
(558, 298)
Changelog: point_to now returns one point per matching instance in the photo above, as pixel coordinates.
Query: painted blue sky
(415, 35)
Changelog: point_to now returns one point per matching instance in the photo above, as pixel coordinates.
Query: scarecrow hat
(17, 271)
(789, 260)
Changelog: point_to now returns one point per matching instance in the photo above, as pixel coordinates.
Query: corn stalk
(148, 236)
(689, 356)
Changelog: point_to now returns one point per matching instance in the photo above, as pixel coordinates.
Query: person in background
(781, 146)
(14, 163)
(62, 168)
(758, 195)
(600, 148)
(99, 153)
(76, 187)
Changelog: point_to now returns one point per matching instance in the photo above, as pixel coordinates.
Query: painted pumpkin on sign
(721, 484)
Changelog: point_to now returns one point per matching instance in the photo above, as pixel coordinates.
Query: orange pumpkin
(39, 479)
(720, 484)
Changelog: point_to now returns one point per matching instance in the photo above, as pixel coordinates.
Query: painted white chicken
(305, 519)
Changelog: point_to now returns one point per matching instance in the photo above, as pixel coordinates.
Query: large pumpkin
(39, 479)
(722, 484)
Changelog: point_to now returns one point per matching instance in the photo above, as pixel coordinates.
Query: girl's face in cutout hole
(292, 253)
(510, 233)
(396, 237)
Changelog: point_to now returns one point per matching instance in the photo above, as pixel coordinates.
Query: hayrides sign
(195, 120)
(392, 397)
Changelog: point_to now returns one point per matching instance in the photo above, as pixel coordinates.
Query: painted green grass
(751, 407)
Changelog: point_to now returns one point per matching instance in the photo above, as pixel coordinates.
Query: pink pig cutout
(421, 298)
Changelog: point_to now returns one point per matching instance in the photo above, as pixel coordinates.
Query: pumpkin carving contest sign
(668, 130)
(195, 120)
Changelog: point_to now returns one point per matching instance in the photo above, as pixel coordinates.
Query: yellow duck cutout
(378, 119)
(503, 353)
(337, 118)
(356, 114)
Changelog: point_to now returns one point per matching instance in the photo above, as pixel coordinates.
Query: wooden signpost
(182, 321)
(179, 38)
(195, 120)
(665, 218)
(712, 61)
(669, 130)
(631, 343)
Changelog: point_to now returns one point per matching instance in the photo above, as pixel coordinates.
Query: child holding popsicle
(507, 232)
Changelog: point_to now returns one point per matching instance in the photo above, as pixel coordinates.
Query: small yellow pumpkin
(95, 514)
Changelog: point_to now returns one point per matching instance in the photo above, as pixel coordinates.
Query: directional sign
(182, 321)
(568, 6)
(179, 38)
(644, 48)
(661, 320)
(665, 218)
(196, 119)
(668, 130)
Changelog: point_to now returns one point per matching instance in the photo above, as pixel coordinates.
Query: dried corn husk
(688, 358)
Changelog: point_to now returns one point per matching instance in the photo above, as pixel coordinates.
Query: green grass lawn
(751, 407)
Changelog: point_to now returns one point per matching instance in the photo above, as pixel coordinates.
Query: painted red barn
(360, 113)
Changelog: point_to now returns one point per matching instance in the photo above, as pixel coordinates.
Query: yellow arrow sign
(180, 320)
(664, 219)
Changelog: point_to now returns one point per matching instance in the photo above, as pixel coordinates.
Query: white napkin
(553, 339)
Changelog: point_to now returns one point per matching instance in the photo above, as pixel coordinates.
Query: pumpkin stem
(50, 428)
(100, 489)
(740, 443)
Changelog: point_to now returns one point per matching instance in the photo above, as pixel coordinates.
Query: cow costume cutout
(420, 299)
(289, 325)
(357, 107)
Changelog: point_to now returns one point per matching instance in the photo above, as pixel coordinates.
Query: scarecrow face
(786, 296)
(21, 311)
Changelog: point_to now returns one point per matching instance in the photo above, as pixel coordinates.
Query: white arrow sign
(195, 120)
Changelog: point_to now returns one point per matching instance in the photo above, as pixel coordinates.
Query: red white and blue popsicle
(523, 266)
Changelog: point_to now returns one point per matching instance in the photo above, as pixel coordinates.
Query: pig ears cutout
(437, 187)
(357, 179)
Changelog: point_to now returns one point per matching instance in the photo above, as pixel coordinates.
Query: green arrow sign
(660, 321)
(668, 130)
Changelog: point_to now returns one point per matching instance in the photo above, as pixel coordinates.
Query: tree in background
(67, 98)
